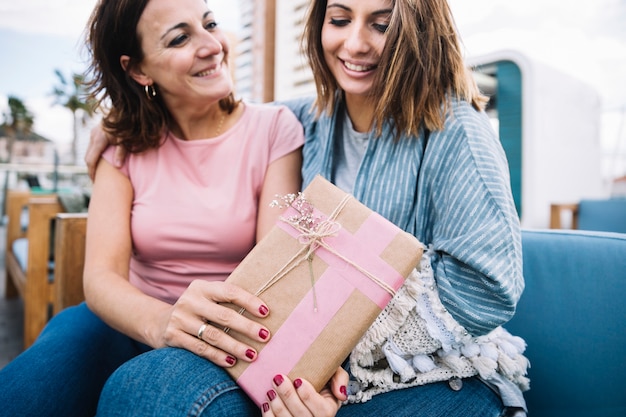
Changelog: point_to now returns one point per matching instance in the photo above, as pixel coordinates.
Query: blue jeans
(175, 382)
(63, 372)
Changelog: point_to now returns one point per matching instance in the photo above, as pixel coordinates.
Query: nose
(209, 44)
(357, 41)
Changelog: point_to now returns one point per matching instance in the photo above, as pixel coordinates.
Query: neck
(361, 112)
(193, 123)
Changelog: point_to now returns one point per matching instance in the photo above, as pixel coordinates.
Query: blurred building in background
(255, 51)
(269, 63)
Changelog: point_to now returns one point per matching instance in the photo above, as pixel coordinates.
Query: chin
(357, 92)
(356, 88)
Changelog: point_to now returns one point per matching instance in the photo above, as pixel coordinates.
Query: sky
(585, 39)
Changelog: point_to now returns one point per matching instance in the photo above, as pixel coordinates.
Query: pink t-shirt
(195, 202)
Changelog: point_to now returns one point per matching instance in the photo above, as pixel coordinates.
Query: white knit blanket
(415, 341)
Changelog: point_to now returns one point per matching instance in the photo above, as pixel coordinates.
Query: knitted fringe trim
(388, 322)
(460, 355)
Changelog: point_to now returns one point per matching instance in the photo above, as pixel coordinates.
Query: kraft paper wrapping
(319, 309)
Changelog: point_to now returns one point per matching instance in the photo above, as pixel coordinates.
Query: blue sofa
(573, 317)
(607, 215)
(604, 215)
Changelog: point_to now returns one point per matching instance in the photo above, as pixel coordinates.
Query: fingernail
(230, 360)
(343, 390)
(297, 383)
(271, 394)
(263, 334)
(250, 353)
(263, 310)
(266, 407)
(278, 379)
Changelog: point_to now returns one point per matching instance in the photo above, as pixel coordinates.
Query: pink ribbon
(354, 264)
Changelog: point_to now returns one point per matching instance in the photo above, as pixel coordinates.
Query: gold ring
(201, 331)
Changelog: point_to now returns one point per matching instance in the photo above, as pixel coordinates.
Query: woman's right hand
(98, 142)
(196, 322)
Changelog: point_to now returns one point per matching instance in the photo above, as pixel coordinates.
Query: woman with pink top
(167, 228)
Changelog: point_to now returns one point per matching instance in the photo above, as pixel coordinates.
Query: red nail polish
(263, 334)
(343, 390)
(230, 360)
(297, 383)
(266, 407)
(263, 310)
(278, 379)
(271, 394)
(250, 354)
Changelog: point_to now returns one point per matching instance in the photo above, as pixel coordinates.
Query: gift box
(326, 270)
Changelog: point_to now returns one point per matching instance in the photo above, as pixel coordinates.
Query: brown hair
(420, 67)
(137, 121)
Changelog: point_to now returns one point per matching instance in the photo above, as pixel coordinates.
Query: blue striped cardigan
(450, 190)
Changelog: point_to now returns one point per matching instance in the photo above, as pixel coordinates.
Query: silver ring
(201, 331)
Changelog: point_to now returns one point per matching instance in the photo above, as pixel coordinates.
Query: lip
(213, 70)
(358, 68)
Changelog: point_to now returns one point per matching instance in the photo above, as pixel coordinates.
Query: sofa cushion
(607, 215)
(20, 250)
(572, 315)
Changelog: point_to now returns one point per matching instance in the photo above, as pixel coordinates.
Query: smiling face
(185, 53)
(353, 38)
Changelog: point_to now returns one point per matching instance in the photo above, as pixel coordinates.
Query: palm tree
(73, 96)
(17, 122)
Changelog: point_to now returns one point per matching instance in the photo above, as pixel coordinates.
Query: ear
(134, 71)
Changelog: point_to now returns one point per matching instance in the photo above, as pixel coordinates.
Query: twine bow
(312, 233)
(313, 230)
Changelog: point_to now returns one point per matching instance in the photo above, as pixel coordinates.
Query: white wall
(561, 150)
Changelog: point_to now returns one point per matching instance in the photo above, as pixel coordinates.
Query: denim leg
(475, 399)
(173, 382)
(63, 372)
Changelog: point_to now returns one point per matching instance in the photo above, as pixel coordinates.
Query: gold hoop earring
(150, 91)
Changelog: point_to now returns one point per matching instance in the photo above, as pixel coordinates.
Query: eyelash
(381, 28)
(344, 22)
(339, 22)
(179, 40)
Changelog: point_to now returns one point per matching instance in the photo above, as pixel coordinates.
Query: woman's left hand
(298, 398)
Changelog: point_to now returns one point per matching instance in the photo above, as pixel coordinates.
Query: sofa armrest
(571, 315)
(16, 201)
(37, 291)
(69, 259)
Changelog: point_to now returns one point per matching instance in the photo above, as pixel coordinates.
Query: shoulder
(301, 107)
(463, 119)
(270, 112)
(467, 140)
(276, 123)
(465, 127)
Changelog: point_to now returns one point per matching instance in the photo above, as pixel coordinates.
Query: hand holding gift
(325, 271)
(300, 398)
